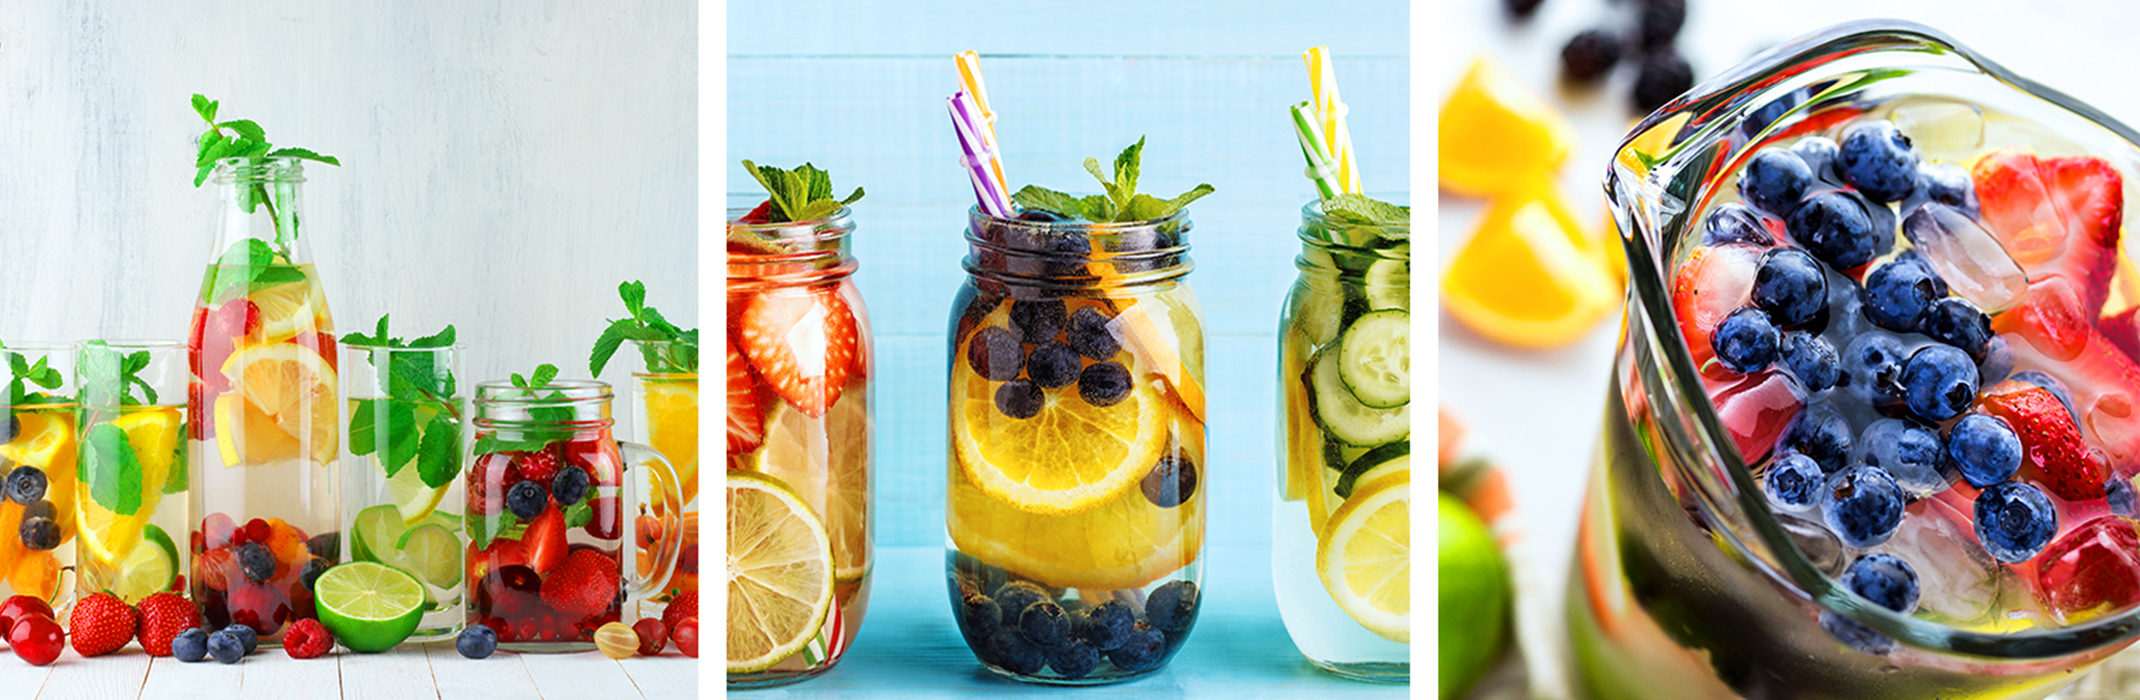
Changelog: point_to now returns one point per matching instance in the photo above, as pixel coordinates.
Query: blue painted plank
(1066, 27)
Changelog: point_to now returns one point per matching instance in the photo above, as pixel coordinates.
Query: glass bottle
(133, 457)
(406, 416)
(38, 450)
(1077, 464)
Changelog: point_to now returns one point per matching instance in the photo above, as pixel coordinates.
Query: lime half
(150, 568)
(369, 607)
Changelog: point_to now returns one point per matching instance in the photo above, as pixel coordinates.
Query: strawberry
(2093, 569)
(307, 639)
(501, 553)
(2102, 380)
(101, 624)
(2057, 217)
(163, 616)
(684, 605)
(803, 344)
(746, 423)
(762, 214)
(544, 541)
(1756, 409)
(587, 584)
(1712, 283)
(2052, 451)
(2123, 330)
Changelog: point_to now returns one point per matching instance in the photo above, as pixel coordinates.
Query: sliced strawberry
(2055, 216)
(544, 542)
(2093, 569)
(2123, 330)
(2050, 319)
(1713, 282)
(760, 215)
(746, 422)
(1755, 411)
(803, 343)
(2052, 451)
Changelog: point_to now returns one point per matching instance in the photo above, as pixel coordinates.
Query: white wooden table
(410, 671)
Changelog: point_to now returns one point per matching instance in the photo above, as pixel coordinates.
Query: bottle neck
(261, 199)
(1065, 257)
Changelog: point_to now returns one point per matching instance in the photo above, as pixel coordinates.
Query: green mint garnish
(532, 439)
(247, 140)
(1122, 203)
(802, 194)
(412, 380)
(250, 265)
(115, 470)
(1358, 209)
(109, 378)
(677, 355)
(22, 374)
(481, 530)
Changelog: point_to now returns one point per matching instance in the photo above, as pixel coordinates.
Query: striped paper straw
(970, 79)
(1320, 169)
(1323, 79)
(980, 156)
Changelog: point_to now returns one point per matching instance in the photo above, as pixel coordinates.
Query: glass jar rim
(270, 168)
(500, 391)
(376, 347)
(1178, 216)
(1311, 215)
(1709, 112)
(136, 343)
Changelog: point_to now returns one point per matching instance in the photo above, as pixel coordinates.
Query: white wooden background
(505, 165)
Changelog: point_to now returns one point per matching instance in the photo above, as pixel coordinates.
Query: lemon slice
(152, 434)
(1070, 458)
(292, 386)
(672, 426)
(414, 500)
(847, 432)
(779, 573)
(1172, 344)
(285, 311)
(1528, 277)
(245, 436)
(1366, 557)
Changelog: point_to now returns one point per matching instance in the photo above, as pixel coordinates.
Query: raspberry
(307, 639)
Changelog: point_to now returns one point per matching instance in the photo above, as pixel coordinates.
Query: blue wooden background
(859, 88)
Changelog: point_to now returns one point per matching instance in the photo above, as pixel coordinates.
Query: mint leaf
(438, 459)
(543, 374)
(401, 430)
(581, 513)
(1358, 209)
(645, 324)
(802, 194)
(114, 470)
(1047, 200)
(1121, 203)
(175, 482)
(304, 154)
(481, 530)
(364, 426)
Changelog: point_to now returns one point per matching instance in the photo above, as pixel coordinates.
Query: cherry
(686, 636)
(2094, 569)
(216, 530)
(260, 606)
(20, 607)
(37, 640)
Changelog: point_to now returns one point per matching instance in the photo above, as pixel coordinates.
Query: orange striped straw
(1331, 110)
(970, 80)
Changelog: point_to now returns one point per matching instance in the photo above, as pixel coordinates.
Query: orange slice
(294, 389)
(1529, 276)
(1497, 135)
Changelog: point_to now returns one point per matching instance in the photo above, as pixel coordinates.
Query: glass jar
(266, 402)
(39, 448)
(548, 492)
(665, 417)
(402, 494)
(133, 455)
(1077, 466)
(1344, 462)
(800, 333)
(1684, 575)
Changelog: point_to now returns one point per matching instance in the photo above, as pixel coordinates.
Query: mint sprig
(1122, 203)
(674, 352)
(246, 139)
(802, 194)
(535, 438)
(23, 374)
(114, 470)
(412, 381)
(1359, 209)
(110, 378)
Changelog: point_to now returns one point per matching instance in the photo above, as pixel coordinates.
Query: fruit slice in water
(246, 436)
(152, 435)
(294, 388)
(414, 500)
(151, 568)
(672, 427)
(1125, 543)
(369, 606)
(779, 573)
(1071, 458)
(430, 550)
(1366, 558)
(826, 463)
(1162, 332)
(285, 310)
(47, 442)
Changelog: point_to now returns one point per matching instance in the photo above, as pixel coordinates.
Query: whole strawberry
(2052, 451)
(586, 584)
(163, 616)
(307, 639)
(101, 624)
(684, 605)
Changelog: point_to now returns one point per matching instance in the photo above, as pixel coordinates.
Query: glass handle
(670, 508)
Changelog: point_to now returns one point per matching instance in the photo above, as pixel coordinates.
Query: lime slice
(369, 607)
(377, 529)
(432, 552)
(149, 569)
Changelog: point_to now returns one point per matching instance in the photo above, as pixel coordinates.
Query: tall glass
(133, 459)
(805, 426)
(1344, 465)
(267, 406)
(665, 417)
(402, 495)
(1685, 578)
(1077, 466)
(38, 449)
(548, 490)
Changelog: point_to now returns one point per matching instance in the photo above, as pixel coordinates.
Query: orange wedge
(1530, 276)
(294, 389)
(1497, 135)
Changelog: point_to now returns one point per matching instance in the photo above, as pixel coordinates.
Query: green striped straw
(1321, 169)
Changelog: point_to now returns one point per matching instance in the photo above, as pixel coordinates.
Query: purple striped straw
(980, 157)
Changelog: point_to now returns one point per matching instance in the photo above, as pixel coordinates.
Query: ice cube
(1959, 581)
(1910, 453)
(1757, 409)
(1940, 129)
(1972, 262)
(1846, 310)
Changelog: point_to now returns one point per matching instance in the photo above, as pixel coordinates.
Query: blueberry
(1590, 55)
(1819, 432)
(1011, 651)
(1087, 334)
(247, 635)
(996, 354)
(476, 642)
(1775, 180)
(1744, 341)
(326, 545)
(1864, 506)
(1044, 624)
(2124, 502)
(1948, 184)
(1019, 399)
(1793, 482)
(26, 484)
(1818, 152)
(1858, 636)
(1812, 360)
(1073, 660)
(1911, 453)
(1013, 597)
(1038, 320)
(1997, 363)
(257, 562)
(1052, 365)
(190, 645)
(314, 568)
(1885, 580)
(979, 616)
(2014, 521)
(1838, 229)
(1170, 482)
(1104, 384)
(1790, 286)
(1732, 222)
(1107, 625)
(1939, 382)
(1898, 294)
(527, 499)
(570, 486)
(1985, 449)
(1876, 158)
(2051, 384)
(226, 647)
(1142, 650)
(1957, 322)
(40, 534)
(1041, 216)
(1664, 75)
(1872, 368)
(1939, 284)
(1172, 606)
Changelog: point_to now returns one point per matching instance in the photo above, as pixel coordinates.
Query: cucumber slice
(1317, 315)
(1389, 284)
(1344, 417)
(1368, 467)
(1374, 358)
